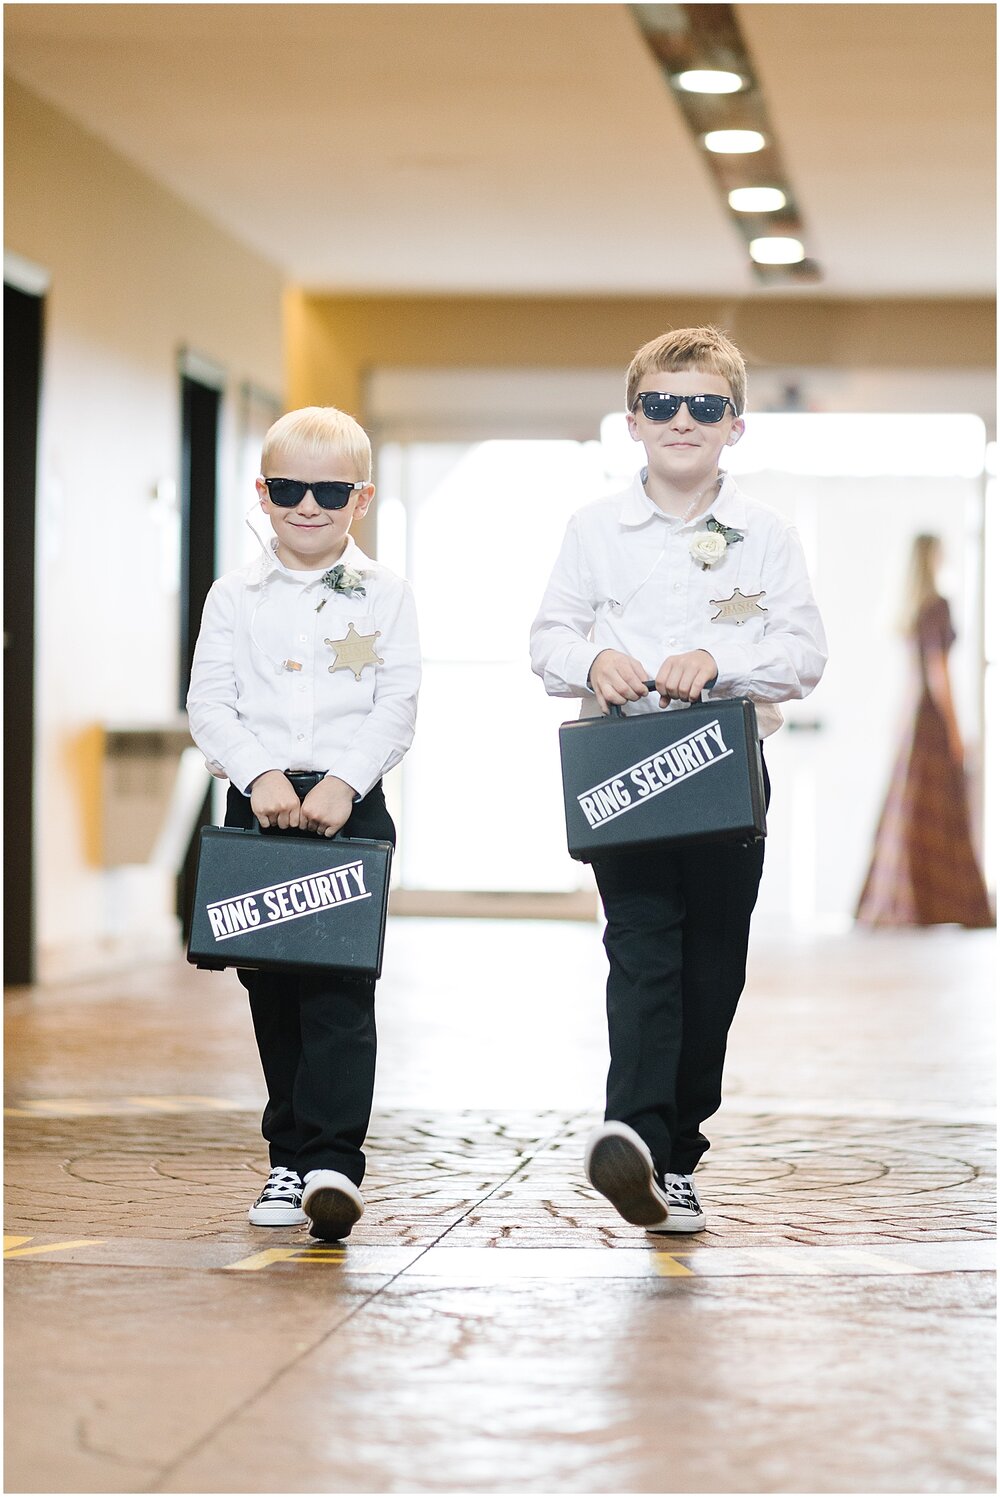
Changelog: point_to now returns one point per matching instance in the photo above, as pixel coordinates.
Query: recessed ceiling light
(734, 142)
(757, 199)
(776, 251)
(703, 81)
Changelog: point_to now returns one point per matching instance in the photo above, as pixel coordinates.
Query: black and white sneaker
(280, 1202)
(686, 1214)
(332, 1203)
(620, 1166)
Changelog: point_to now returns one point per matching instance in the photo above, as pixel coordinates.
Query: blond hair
(690, 348)
(920, 587)
(313, 431)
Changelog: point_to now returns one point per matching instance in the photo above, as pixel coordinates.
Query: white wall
(134, 277)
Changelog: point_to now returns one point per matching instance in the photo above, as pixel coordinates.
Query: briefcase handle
(615, 711)
(302, 781)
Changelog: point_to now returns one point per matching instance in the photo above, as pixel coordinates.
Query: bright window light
(830, 444)
(390, 517)
(834, 444)
(757, 199)
(622, 457)
(770, 251)
(734, 142)
(704, 81)
(473, 633)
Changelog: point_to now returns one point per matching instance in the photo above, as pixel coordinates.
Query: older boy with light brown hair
(634, 596)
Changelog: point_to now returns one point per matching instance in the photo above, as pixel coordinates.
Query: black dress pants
(317, 1041)
(678, 927)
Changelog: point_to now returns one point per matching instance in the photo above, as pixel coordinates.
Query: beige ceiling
(534, 148)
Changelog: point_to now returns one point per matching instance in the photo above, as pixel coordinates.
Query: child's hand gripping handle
(615, 711)
(325, 813)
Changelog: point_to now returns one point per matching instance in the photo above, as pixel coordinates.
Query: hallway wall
(335, 341)
(335, 344)
(135, 276)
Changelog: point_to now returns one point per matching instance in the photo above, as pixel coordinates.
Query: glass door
(476, 527)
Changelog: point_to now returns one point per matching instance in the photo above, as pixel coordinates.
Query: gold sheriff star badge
(737, 607)
(354, 651)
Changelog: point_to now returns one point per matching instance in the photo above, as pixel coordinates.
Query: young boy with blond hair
(280, 684)
(634, 596)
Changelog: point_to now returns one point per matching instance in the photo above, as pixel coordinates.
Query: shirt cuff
(357, 770)
(579, 663)
(245, 767)
(733, 663)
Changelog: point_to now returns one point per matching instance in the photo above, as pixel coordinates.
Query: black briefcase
(689, 774)
(277, 901)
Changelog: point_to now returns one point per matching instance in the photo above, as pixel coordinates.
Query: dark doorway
(199, 496)
(22, 351)
(200, 404)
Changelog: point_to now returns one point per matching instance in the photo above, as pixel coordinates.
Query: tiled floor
(491, 1325)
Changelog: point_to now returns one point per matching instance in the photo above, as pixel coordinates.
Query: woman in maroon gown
(923, 869)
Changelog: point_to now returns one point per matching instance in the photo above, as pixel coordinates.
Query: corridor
(491, 1325)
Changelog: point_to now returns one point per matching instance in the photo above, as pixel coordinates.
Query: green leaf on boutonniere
(729, 535)
(341, 579)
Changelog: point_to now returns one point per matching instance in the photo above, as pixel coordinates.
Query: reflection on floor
(492, 1326)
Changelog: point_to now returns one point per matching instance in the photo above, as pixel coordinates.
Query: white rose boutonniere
(708, 548)
(711, 544)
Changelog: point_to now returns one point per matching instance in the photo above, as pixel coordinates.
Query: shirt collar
(636, 508)
(268, 563)
(730, 508)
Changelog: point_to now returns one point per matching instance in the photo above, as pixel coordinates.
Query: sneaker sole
(279, 1216)
(332, 1213)
(621, 1174)
(676, 1223)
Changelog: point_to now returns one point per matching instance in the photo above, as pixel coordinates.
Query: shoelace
(680, 1192)
(282, 1185)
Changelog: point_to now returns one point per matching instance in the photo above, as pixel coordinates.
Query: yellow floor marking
(306, 1254)
(51, 1247)
(13, 1242)
(264, 1259)
(666, 1264)
(796, 1260)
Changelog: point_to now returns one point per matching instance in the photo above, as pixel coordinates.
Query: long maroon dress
(923, 869)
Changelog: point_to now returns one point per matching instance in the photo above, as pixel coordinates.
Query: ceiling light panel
(732, 129)
(734, 142)
(757, 199)
(707, 81)
(775, 250)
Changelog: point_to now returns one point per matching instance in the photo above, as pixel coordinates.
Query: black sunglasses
(330, 493)
(708, 409)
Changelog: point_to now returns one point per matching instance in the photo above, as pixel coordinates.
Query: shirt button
(303, 638)
(677, 588)
(300, 736)
(671, 641)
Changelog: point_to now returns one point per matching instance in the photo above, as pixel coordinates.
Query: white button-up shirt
(251, 710)
(625, 580)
